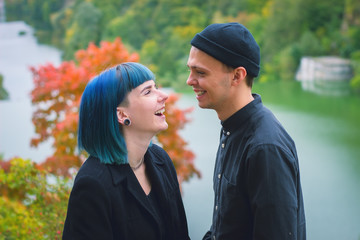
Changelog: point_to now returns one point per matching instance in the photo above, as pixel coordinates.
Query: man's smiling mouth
(199, 93)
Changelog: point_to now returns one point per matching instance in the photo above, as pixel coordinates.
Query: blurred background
(309, 78)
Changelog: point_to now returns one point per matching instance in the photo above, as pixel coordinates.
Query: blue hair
(99, 132)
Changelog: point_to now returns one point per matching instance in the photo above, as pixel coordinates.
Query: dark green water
(327, 135)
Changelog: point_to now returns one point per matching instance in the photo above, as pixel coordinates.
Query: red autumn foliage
(56, 97)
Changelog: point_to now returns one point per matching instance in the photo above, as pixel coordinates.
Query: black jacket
(107, 202)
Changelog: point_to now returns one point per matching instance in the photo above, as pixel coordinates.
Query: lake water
(328, 147)
(17, 54)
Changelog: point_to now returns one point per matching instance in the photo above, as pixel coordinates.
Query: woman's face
(145, 109)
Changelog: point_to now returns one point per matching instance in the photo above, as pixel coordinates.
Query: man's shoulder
(266, 129)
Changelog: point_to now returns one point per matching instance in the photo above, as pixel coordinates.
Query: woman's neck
(136, 147)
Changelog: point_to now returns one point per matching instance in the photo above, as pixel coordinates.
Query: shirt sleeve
(272, 184)
(88, 211)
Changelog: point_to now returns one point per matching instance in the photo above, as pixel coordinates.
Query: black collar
(237, 119)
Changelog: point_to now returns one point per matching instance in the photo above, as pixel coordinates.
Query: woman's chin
(163, 127)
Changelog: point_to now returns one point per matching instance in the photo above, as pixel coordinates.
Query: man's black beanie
(230, 43)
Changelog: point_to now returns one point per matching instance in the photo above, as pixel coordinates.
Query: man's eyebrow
(196, 67)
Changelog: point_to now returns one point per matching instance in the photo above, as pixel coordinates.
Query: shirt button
(214, 237)
(228, 133)
(216, 207)
(222, 145)
(219, 176)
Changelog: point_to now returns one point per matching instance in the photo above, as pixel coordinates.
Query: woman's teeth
(160, 112)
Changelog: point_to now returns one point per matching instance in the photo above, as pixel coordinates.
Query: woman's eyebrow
(147, 87)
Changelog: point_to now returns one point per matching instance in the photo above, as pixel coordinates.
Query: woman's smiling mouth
(160, 112)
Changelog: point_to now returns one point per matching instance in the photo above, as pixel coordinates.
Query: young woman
(127, 188)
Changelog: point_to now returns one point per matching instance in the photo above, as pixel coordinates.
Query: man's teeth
(160, 112)
(199, 93)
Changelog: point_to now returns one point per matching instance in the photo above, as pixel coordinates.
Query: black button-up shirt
(256, 179)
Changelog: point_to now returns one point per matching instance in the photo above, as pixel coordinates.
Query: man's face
(210, 80)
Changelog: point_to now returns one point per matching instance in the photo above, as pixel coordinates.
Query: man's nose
(190, 81)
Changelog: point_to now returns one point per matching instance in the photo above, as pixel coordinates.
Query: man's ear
(239, 75)
(121, 115)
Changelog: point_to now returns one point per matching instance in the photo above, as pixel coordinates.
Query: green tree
(60, 22)
(132, 31)
(36, 13)
(84, 28)
(283, 26)
(350, 27)
(111, 9)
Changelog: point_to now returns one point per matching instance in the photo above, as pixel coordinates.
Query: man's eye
(147, 92)
(200, 73)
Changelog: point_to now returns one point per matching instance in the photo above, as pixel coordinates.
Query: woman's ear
(239, 75)
(121, 115)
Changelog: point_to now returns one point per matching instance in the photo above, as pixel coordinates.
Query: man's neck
(238, 102)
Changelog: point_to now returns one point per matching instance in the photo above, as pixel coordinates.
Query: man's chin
(204, 106)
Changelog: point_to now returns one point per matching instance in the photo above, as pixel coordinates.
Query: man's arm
(272, 184)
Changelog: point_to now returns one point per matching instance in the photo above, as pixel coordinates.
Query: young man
(256, 177)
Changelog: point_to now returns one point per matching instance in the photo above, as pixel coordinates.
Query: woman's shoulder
(158, 154)
(161, 161)
(92, 168)
(91, 164)
(156, 149)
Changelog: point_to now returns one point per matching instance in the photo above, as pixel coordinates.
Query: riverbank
(291, 96)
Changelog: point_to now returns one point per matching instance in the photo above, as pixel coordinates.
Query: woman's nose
(163, 96)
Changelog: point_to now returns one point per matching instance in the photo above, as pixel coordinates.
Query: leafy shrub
(33, 203)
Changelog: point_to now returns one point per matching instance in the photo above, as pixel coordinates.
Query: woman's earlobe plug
(127, 122)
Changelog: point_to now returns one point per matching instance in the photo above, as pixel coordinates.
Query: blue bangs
(99, 132)
(133, 75)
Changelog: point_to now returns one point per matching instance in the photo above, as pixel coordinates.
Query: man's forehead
(199, 59)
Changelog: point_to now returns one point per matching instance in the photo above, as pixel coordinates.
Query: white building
(325, 75)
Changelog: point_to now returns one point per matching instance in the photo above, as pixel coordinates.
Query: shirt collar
(236, 120)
